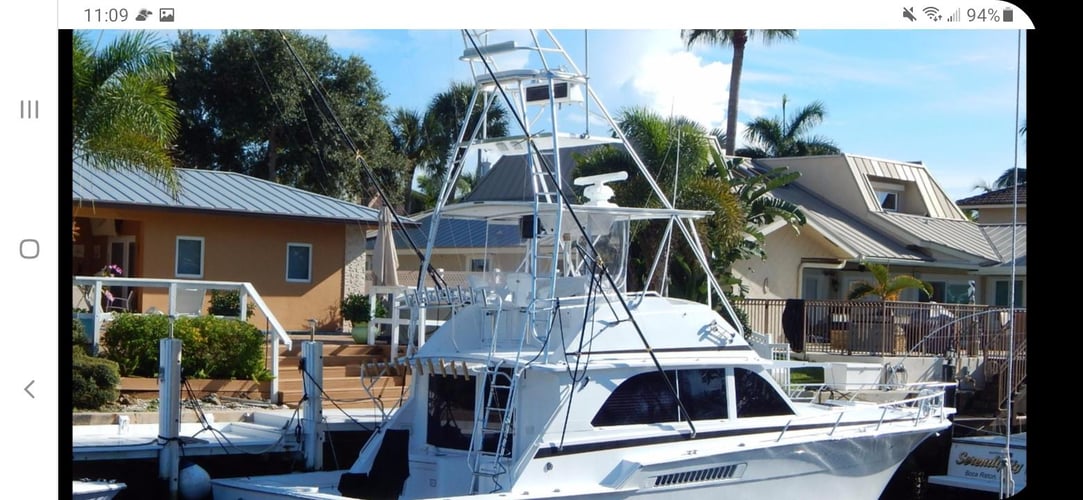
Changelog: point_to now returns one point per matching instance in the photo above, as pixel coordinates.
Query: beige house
(301, 251)
(862, 209)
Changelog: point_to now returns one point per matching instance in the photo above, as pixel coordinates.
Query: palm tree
(1008, 178)
(122, 115)
(782, 137)
(408, 137)
(885, 286)
(674, 150)
(428, 139)
(444, 117)
(737, 39)
(762, 209)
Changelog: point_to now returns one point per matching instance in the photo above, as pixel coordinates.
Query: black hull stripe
(553, 451)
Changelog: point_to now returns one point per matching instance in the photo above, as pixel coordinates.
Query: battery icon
(1007, 15)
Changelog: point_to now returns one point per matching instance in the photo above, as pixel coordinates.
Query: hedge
(220, 348)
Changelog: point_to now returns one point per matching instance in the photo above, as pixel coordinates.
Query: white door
(122, 253)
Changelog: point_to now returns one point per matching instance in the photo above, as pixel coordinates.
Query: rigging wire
(282, 116)
(437, 279)
(1008, 485)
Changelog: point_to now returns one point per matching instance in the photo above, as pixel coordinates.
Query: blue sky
(946, 98)
(943, 97)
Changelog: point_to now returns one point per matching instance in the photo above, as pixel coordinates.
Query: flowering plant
(108, 271)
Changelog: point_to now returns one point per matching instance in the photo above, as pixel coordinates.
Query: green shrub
(132, 342)
(80, 345)
(212, 347)
(94, 382)
(228, 303)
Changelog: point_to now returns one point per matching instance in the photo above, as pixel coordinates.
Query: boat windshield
(509, 249)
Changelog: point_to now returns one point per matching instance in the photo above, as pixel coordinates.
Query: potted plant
(885, 286)
(355, 309)
(877, 331)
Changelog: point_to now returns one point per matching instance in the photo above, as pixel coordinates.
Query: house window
(298, 262)
(947, 292)
(189, 257)
(1001, 298)
(479, 265)
(889, 201)
(887, 194)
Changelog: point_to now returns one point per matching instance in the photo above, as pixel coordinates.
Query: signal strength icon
(956, 16)
(933, 13)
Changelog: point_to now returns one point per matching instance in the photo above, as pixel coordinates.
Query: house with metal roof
(302, 251)
(858, 209)
(863, 209)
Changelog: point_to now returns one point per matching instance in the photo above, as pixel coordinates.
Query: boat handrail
(931, 396)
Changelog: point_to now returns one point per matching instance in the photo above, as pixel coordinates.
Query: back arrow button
(27, 388)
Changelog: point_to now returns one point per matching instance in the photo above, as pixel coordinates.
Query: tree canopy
(781, 136)
(247, 106)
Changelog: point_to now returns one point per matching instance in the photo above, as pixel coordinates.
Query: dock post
(312, 368)
(169, 377)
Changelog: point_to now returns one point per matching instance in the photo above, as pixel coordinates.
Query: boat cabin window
(646, 399)
(756, 397)
(451, 411)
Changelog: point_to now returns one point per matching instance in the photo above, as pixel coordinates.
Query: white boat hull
(95, 490)
(975, 464)
(829, 470)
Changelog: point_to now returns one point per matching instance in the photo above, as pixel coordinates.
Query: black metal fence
(885, 327)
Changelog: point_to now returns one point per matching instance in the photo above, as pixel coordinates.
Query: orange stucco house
(302, 251)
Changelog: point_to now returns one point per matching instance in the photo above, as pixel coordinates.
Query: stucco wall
(778, 277)
(242, 248)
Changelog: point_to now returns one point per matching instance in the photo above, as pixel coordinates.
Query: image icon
(165, 15)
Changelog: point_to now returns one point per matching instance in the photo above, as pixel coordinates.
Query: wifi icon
(933, 13)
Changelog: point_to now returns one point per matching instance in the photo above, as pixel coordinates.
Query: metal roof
(1000, 235)
(960, 235)
(212, 191)
(457, 233)
(510, 180)
(850, 233)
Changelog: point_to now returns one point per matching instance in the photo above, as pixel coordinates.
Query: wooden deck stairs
(343, 363)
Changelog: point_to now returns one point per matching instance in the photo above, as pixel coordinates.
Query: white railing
(92, 294)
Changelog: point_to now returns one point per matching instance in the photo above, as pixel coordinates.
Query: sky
(951, 99)
(945, 98)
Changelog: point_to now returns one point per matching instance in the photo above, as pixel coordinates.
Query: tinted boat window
(703, 393)
(645, 398)
(756, 397)
(642, 399)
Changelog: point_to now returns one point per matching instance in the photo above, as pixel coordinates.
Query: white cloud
(681, 83)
